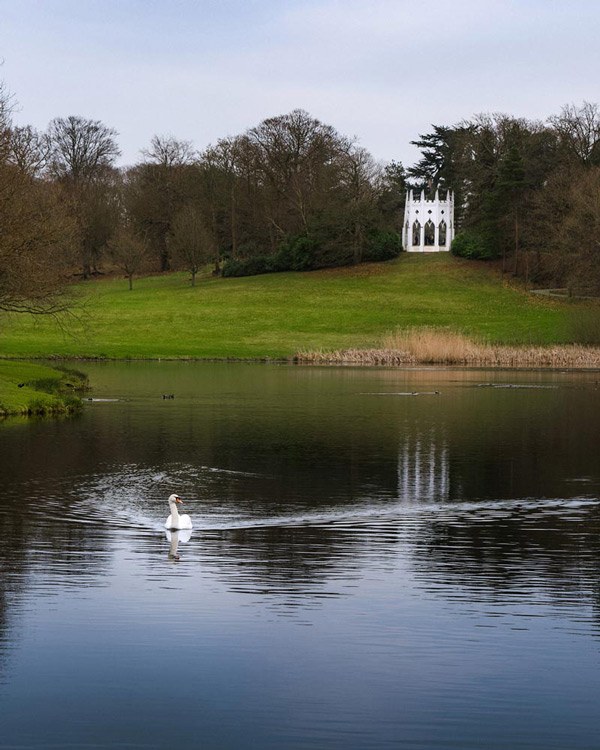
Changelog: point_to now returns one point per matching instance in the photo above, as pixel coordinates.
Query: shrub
(472, 245)
(296, 254)
(247, 266)
(382, 245)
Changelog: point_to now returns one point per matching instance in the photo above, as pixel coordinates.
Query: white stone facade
(428, 224)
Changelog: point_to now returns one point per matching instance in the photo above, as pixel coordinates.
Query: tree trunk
(165, 264)
(194, 277)
(130, 277)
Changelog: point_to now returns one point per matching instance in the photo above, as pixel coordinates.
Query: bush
(382, 245)
(248, 266)
(296, 254)
(472, 245)
(304, 253)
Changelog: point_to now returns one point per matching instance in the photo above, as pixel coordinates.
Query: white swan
(175, 521)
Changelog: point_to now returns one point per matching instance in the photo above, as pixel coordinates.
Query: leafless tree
(29, 150)
(129, 252)
(191, 240)
(36, 234)
(82, 153)
(169, 151)
(80, 149)
(158, 188)
(579, 129)
(36, 241)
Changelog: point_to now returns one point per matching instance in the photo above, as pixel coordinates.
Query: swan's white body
(176, 521)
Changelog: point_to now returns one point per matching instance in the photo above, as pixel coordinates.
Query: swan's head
(174, 499)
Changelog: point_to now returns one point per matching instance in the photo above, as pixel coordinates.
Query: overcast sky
(380, 70)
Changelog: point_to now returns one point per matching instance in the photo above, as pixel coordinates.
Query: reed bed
(431, 346)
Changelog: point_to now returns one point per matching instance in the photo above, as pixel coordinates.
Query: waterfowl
(175, 521)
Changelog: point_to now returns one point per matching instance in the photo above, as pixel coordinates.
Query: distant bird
(168, 395)
(175, 521)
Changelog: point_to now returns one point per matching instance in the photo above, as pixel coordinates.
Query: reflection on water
(174, 537)
(368, 569)
(423, 467)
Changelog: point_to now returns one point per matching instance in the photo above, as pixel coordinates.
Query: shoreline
(31, 389)
(355, 358)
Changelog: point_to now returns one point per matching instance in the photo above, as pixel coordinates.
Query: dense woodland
(290, 194)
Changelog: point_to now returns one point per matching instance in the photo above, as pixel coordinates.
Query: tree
(296, 158)
(579, 131)
(81, 157)
(510, 188)
(80, 149)
(36, 241)
(359, 175)
(191, 240)
(36, 234)
(129, 251)
(29, 150)
(579, 234)
(159, 187)
(169, 151)
(391, 194)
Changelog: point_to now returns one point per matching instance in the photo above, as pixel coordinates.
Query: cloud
(383, 70)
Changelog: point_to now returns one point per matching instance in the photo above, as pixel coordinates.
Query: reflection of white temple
(423, 468)
(428, 224)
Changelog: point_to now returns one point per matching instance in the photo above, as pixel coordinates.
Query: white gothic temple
(428, 224)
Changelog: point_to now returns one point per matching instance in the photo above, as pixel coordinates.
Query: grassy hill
(279, 314)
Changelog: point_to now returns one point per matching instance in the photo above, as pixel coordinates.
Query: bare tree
(294, 153)
(579, 129)
(129, 252)
(36, 233)
(6, 108)
(36, 240)
(191, 240)
(80, 148)
(169, 151)
(29, 150)
(158, 188)
(81, 157)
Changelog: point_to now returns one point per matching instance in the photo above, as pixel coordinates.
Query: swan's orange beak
(178, 500)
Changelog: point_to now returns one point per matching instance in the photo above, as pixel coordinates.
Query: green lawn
(279, 314)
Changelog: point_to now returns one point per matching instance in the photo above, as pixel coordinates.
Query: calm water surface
(380, 559)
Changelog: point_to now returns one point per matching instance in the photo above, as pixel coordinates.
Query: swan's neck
(174, 514)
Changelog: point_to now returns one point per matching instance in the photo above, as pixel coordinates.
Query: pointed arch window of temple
(416, 233)
(442, 233)
(429, 233)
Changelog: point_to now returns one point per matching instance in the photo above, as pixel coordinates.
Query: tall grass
(436, 346)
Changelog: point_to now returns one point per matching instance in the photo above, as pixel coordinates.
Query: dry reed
(431, 346)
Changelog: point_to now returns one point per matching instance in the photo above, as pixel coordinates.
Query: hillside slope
(279, 314)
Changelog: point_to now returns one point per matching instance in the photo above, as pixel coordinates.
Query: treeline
(288, 194)
(527, 193)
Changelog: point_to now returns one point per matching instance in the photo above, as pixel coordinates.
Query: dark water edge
(368, 568)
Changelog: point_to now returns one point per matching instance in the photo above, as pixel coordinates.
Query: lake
(380, 559)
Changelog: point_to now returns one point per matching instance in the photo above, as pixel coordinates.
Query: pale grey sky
(381, 70)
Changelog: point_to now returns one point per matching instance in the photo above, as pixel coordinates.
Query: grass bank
(33, 389)
(276, 315)
(430, 346)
